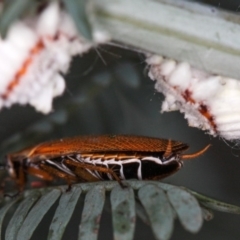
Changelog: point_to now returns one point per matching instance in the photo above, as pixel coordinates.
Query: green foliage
(159, 203)
(14, 10)
(77, 9)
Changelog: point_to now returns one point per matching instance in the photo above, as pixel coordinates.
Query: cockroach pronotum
(96, 158)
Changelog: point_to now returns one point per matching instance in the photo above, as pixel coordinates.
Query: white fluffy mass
(208, 102)
(32, 56)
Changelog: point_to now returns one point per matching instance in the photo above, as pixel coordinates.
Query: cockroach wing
(103, 143)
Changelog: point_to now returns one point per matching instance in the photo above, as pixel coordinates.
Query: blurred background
(109, 92)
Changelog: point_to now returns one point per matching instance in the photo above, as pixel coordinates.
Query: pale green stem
(206, 37)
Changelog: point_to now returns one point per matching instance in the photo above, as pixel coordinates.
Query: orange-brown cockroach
(95, 158)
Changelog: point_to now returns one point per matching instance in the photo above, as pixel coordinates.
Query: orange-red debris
(22, 71)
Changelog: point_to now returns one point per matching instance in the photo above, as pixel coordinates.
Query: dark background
(108, 91)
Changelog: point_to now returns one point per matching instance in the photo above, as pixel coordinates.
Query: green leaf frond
(156, 204)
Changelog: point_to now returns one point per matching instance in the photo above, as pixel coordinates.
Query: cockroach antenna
(194, 155)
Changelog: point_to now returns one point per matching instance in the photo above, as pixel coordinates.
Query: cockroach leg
(39, 184)
(54, 172)
(123, 185)
(21, 179)
(69, 188)
(6, 194)
(95, 168)
(12, 195)
(40, 173)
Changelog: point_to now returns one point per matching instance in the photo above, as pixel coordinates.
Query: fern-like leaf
(157, 203)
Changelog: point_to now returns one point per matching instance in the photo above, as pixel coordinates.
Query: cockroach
(96, 158)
